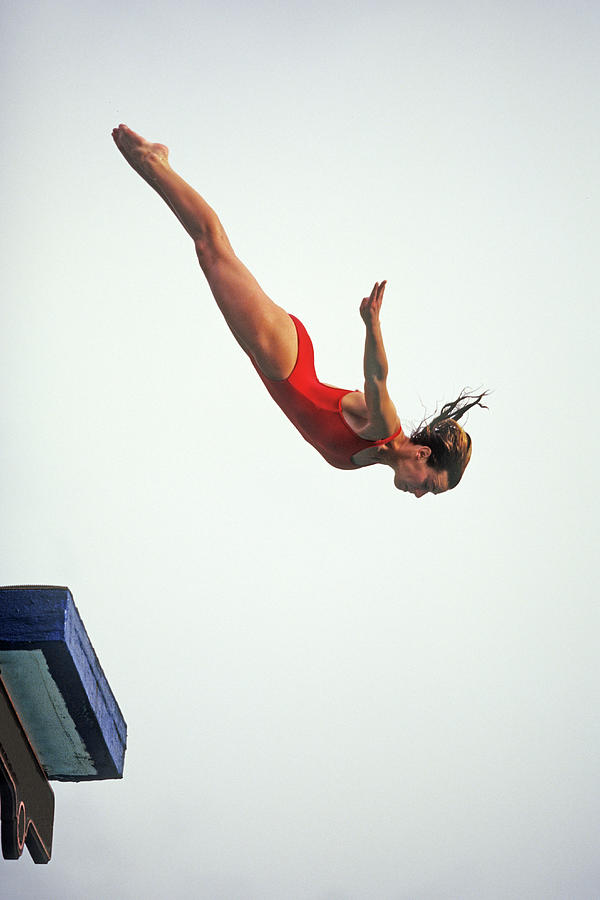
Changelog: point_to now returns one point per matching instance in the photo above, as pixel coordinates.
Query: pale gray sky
(333, 691)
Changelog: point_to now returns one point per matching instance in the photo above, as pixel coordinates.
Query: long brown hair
(450, 445)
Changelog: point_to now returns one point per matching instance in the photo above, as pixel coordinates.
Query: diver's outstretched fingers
(371, 305)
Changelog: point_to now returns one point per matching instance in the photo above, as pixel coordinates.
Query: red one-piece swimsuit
(315, 409)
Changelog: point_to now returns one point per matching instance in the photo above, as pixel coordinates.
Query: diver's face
(414, 476)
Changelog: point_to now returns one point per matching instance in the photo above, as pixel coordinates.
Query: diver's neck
(396, 451)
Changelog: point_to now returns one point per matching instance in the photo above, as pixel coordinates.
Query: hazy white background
(333, 691)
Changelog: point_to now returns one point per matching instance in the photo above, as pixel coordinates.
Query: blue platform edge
(46, 619)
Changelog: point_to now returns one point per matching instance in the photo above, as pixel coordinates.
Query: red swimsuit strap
(387, 439)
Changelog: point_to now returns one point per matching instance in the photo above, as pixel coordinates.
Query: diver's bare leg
(263, 328)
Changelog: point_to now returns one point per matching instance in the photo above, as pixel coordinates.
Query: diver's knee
(212, 247)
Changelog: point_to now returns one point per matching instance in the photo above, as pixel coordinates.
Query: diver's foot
(141, 155)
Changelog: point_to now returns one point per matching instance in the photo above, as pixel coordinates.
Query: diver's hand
(370, 306)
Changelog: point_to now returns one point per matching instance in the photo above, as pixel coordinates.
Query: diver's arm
(381, 410)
